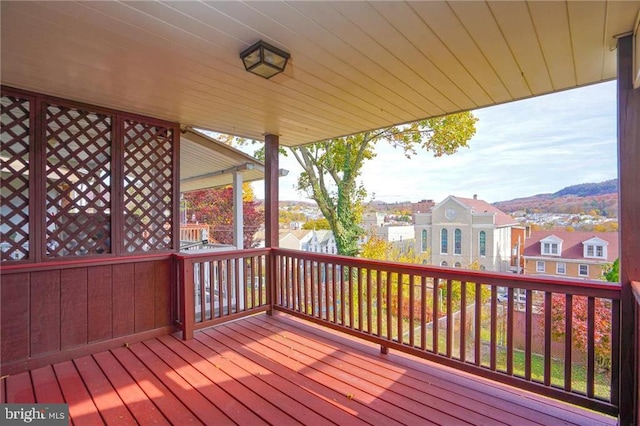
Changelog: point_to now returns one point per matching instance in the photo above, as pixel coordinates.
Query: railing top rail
(221, 255)
(552, 284)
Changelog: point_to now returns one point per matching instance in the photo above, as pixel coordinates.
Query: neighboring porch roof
(354, 65)
(208, 163)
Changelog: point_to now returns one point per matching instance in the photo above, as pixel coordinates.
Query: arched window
(444, 243)
(482, 268)
(444, 263)
(424, 240)
(457, 265)
(457, 248)
(483, 243)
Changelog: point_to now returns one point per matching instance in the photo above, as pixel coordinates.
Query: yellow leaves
(350, 396)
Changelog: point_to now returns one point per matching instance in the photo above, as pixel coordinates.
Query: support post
(238, 214)
(187, 308)
(271, 213)
(629, 235)
(238, 235)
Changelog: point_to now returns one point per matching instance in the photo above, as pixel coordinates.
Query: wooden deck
(277, 370)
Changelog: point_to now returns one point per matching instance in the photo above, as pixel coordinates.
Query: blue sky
(522, 148)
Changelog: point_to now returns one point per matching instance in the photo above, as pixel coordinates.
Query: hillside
(582, 198)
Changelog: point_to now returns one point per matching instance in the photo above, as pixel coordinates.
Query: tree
(215, 208)
(611, 272)
(579, 335)
(312, 224)
(332, 167)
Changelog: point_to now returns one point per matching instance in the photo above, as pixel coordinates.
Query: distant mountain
(588, 189)
(583, 198)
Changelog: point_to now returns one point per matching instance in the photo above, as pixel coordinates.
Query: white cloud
(521, 148)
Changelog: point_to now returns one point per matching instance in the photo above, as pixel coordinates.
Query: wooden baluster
(399, 309)
(449, 348)
(359, 299)
(548, 300)
(615, 350)
(510, 326)
(494, 328)
(463, 321)
(436, 314)
(478, 325)
(379, 301)
(528, 335)
(369, 302)
(568, 342)
(412, 297)
(591, 345)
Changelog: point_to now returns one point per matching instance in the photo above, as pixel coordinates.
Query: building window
(457, 265)
(483, 243)
(592, 250)
(540, 266)
(444, 263)
(550, 248)
(583, 270)
(424, 240)
(561, 268)
(444, 243)
(457, 249)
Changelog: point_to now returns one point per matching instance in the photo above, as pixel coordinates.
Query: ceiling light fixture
(264, 60)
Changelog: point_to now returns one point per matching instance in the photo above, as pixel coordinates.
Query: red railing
(555, 337)
(220, 286)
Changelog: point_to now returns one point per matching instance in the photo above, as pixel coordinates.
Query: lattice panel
(14, 187)
(148, 187)
(78, 153)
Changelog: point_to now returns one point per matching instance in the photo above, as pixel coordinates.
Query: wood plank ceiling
(354, 65)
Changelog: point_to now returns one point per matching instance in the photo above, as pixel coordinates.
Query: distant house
(294, 239)
(570, 254)
(460, 231)
(401, 236)
(321, 241)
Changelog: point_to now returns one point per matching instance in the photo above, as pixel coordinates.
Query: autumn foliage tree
(215, 208)
(579, 325)
(332, 167)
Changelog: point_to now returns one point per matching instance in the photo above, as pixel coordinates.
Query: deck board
(378, 377)
(352, 384)
(480, 397)
(277, 370)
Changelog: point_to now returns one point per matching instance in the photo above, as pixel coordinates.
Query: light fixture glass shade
(264, 60)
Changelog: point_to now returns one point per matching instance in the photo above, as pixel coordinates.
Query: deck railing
(194, 232)
(219, 286)
(555, 337)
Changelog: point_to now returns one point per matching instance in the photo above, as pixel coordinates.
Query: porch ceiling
(354, 65)
(208, 163)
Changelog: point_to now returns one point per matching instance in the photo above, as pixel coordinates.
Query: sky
(534, 146)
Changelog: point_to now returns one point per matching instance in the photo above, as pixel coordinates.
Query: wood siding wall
(52, 311)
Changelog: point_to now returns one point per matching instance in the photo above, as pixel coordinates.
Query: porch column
(271, 190)
(271, 235)
(238, 214)
(629, 218)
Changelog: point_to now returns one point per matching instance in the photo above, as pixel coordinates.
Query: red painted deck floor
(277, 370)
